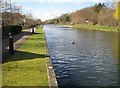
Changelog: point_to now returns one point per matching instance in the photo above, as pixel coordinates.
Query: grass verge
(28, 66)
(102, 28)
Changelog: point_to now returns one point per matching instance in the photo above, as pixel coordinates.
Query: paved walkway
(18, 40)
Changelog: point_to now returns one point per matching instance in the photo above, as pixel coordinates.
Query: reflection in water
(90, 61)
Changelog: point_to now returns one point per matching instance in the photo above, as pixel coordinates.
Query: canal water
(83, 57)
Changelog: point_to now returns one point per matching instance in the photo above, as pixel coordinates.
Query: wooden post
(11, 49)
(32, 30)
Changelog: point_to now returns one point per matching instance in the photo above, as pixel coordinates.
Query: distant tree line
(100, 14)
(12, 15)
(13, 20)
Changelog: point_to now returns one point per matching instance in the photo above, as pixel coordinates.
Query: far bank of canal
(92, 60)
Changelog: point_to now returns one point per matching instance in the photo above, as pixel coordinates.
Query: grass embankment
(28, 66)
(102, 28)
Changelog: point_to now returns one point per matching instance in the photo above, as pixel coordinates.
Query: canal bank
(96, 27)
(28, 66)
(50, 71)
(92, 27)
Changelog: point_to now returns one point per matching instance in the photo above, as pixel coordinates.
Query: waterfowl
(73, 42)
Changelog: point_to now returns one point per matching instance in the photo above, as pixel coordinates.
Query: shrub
(14, 29)
(105, 17)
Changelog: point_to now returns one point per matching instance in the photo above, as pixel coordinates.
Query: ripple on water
(62, 76)
(88, 62)
(83, 71)
(92, 78)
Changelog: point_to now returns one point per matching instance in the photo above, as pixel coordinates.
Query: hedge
(14, 29)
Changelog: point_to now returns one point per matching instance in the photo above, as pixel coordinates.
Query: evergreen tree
(99, 6)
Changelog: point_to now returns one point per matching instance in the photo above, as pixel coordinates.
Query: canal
(83, 57)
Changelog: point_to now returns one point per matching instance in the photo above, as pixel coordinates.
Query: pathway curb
(51, 73)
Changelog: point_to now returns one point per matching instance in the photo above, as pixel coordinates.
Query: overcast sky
(48, 9)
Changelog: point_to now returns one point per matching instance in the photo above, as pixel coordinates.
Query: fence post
(32, 30)
(11, 49)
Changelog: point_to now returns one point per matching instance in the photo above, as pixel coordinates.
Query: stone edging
(51, 74)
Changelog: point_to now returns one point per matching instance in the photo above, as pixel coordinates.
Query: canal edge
(50, 71)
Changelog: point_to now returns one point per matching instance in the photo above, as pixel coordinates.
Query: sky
(49, 9)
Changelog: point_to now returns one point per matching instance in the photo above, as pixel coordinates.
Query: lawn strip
(28, 66)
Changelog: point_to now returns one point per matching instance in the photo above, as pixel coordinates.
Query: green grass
(28, 66)
(103, 28)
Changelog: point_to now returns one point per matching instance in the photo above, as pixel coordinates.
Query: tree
(99, 6)
(17, 8)
(38, 22)
(29, 15)
(64, 18)
(110, 5)
(105, 17)
(82, 15)
(117, 11)
(10, 12)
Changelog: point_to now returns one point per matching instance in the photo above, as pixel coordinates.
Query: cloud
(65, 1)
(97, 1)
(46, 14)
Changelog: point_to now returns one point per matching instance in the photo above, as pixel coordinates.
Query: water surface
(83, 57)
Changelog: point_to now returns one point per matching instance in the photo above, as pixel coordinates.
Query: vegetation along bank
(28, 66)
(102, 16)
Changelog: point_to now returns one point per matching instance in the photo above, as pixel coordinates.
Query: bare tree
(105, 17)
(110, 4)
(17, 8)
(8, 10)
(29, 15)
(82, 15)
(10, 6)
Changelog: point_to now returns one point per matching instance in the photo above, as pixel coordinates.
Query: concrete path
(18, 40)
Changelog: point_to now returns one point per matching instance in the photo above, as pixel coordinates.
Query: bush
(14, 29)
(106, 18)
